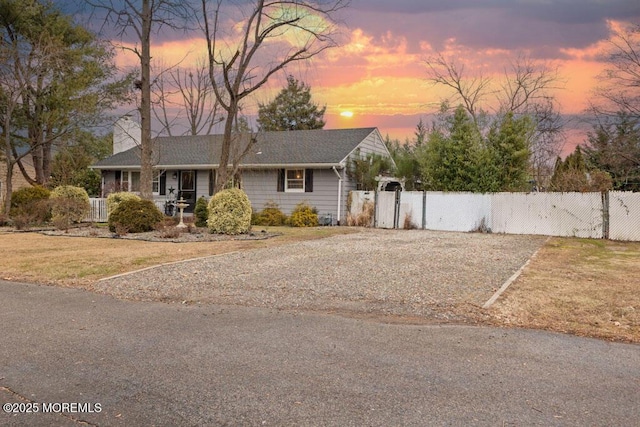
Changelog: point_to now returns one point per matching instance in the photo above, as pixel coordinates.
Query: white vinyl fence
(614, 215)
(550, 214)
(99, 213)
(624, 215)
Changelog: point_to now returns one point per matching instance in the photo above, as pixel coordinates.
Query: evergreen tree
(614, 147)
(65, 77)
(457, 157)
(508, 144)
(292, 109)
(421, 133)
(71, 163)
(453, 161)
(573, 174)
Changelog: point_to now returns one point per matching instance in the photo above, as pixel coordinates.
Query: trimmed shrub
(201, 212)
(69, 205)
(114, 199)
(303, 216)
(270, 215)
(229, 212)
(134, 216)
(30, 205)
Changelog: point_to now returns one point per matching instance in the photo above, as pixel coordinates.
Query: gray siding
(108, 182)
(261, 187)
(171, 183)
(202, 184)
(373, 143)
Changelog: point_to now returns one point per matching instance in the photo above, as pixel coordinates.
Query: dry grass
(579, 286)
(80, 261)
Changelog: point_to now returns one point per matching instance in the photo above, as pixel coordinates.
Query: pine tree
(292, 109)
(457, 157)
(508, 143)
(573, 174)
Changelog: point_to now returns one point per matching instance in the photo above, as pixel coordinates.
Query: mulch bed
(171, 235)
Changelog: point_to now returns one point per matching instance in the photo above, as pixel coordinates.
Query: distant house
(285, 167)
(18, 181)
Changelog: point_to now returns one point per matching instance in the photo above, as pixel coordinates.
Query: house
(18, 180)
(285, 167)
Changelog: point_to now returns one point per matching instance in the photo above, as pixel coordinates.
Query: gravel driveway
(415, 273)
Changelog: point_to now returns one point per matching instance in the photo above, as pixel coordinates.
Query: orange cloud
(383, 76)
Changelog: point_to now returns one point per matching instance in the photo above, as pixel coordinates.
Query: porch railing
(99, 213)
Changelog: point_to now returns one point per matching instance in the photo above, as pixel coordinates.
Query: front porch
(168, 185)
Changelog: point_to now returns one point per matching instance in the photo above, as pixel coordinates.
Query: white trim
(286, 180)
(339, 165)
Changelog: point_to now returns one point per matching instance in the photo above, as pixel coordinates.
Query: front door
(187, 188)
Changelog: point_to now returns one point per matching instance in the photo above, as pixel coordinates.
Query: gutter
(252, 166)
(339, 193)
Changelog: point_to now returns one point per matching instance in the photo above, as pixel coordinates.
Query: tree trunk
(46, 163)
(222, 175)
(146, 155)
(8, 186)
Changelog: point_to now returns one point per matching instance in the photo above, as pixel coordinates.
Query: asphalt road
(140, 363)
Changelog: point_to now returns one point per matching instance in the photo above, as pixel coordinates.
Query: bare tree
(620, 87)
(527, 89)
(273, 35)
(129, 17)
(467, 91)
(527, 84)
(188, 91)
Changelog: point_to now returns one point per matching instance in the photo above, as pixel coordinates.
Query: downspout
(339, 194)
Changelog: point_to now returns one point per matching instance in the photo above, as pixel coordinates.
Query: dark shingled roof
(271, 149)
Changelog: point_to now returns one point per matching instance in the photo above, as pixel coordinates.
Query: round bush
(229, 212)
(303, 216)
(134, 216)
(270, 215)
(31, 203)
(114, 199)
(200, 212)
(69, 205)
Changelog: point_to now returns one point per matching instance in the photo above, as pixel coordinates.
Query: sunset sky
(379, 74)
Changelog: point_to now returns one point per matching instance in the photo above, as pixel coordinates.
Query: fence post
(375, 209)
(396, 211)
(424, 210)
(605, 214)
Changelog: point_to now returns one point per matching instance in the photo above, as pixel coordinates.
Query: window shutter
(163, 183)
(308, 181)
(281, 178)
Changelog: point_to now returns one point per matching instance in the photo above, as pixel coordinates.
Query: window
(155, 182)
(162, 183)
(294, 181)
(135, 181)
(129, 181)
